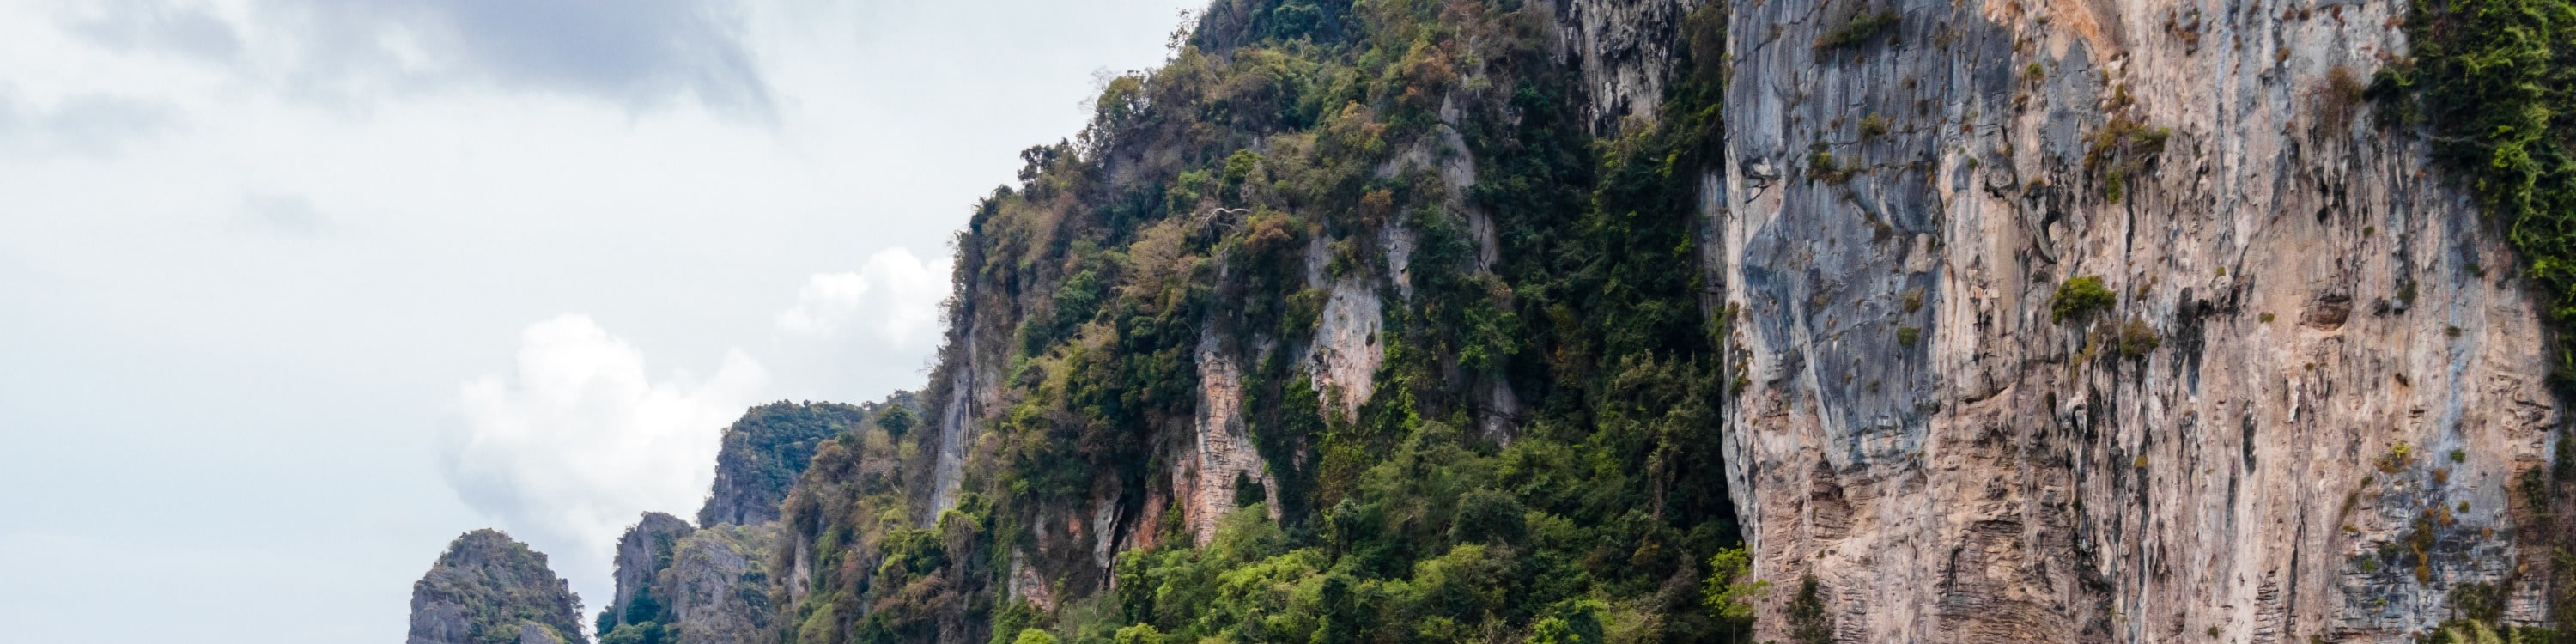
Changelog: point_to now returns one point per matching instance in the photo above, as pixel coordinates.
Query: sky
(293, 292)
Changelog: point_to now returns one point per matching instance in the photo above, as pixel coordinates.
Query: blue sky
(292, 292)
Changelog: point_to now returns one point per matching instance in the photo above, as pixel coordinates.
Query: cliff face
(2300, 413)
(642, 554)
(490, 589)
(716, 590)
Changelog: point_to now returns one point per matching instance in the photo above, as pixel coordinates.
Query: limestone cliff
(490, 589)
(2293, 410)
(642, 553)
(716, 590)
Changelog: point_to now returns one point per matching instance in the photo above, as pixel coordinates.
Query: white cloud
(87, 124)
(894, 299)
(581, 439)
(290, 215)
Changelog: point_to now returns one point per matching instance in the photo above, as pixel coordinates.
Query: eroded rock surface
(641, 554)
(1220, 464)
(2298, 419)
(717, 586)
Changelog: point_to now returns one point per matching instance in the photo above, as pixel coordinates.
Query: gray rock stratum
(2298, 419)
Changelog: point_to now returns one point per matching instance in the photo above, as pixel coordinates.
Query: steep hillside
(1352, 321)
(490, 589)
(765, 451)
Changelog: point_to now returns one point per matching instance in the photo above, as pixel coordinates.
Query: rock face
(491, 589)
(716, 590)
(1624, 50)
(764, 452)
(2297, 417)
(1220, 460)
(641, 555)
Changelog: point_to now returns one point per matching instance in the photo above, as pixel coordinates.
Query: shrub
(2080, 298)
(1809, 623)
(2341, 95)
(2137, 339)
(1861, 28)
(2398, 457)
(1730, 588)
(2122, 148)
(1138, 634)
(1821, 165)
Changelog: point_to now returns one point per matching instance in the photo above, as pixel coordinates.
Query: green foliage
(1809, 622)
(640, 633)
(2080, 298)
(1138, 634)
(1861, 28)
(1575, 622)
(2137, 339)
(1873, 126)
(1730, 589)
(1822, 166)
(896, 420)
(765, 451)
(2497, 81)
(2122, 149)
(641, 609)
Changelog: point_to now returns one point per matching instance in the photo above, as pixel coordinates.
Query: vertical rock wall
(717, 586)
(641, 554)
(2219, 451)
(1220, 454)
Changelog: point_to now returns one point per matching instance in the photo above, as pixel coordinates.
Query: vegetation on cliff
(2495, 82)
(1437, 155)
(491, 589)
(765, 451)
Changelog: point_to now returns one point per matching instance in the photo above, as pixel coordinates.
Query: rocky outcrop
(1345, 353)
(716, 589)
(490, 589)
(1625, 51)
(641, 554)
(764, 452)
(1219, 466)
(2291, 411)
